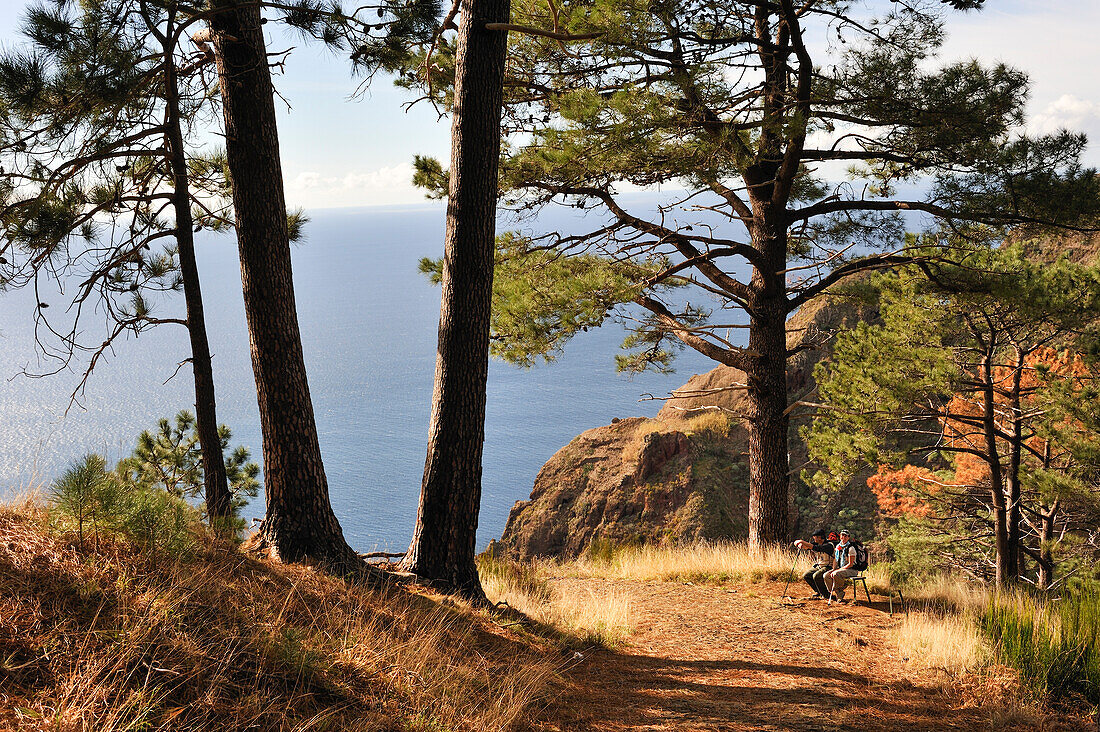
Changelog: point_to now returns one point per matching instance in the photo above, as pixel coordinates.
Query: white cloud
(388, 185)
(383, 179)
(1067, 112)
(305, 181)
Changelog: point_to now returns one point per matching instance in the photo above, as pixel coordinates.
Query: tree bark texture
(1003, 554)
(1046, 546)
(443, 544)
(1013, 498)
(300, 523)
(215, 485)
(768, 423)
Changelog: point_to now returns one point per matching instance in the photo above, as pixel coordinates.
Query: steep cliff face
(637, 480)
(678, 477)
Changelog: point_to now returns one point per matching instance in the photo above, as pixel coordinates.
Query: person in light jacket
(844, 559)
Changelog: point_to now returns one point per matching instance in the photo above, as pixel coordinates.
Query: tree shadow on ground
(624, 692)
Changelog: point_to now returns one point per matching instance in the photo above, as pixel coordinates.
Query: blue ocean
(368, 322)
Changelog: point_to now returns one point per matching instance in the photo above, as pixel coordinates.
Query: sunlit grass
(699, 562)
(962, 626)
(594, 618)
(113, 638)
(950, 642)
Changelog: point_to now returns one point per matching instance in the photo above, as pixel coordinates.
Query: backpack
(861, 556)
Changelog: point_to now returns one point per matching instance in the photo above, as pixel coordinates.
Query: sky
(342, 152)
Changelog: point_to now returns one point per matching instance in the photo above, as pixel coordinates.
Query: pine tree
(300, 523)
(961, 375)
(443, 544)
(94, 114)
(744, 103)
(170, 459)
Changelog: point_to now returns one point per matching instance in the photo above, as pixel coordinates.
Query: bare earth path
(736, 658)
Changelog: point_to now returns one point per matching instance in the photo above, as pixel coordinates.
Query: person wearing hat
(824, 543)
(844, 560)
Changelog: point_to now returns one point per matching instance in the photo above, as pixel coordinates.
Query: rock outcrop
(637, 480)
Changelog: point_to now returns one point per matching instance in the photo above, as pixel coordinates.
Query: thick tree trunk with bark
(300, 523)
(443, 545)
(767, 397)
(769, 481)
(215, 485)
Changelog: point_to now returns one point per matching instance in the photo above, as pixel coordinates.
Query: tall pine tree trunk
(1004, 573)
(1047, 515)
(1046, 545)
(300, 523)
(768, 422)
(215, 485)
(1012, 483)
(443, 544)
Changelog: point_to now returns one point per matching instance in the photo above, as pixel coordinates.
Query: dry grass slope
(116, 639)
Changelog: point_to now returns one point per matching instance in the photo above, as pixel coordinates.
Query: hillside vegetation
(127, 638)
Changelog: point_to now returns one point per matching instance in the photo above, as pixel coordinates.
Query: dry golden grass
(712, 421)
(113, 640)
(945, 592)
(949, 642)
(589, 618)
(700, 562)
(942, 630)
(632, 449)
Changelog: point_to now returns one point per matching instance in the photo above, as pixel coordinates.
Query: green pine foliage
(85, 163)
(678, 94)
(541, 299)
(99, 503)
(159, 521)
(875, 373)
(169, 460)
(908, 388)
(87, 494)
(913, 544)
(376, 36)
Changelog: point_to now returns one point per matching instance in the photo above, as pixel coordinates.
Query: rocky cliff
(636, 480)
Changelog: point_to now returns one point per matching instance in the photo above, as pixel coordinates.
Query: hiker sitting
(823, 544)
(847, 560)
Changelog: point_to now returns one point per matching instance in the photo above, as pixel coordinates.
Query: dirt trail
(735, 658)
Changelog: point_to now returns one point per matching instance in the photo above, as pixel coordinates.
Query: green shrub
(160, 522)
(1052, 643)
(170, 459)
(913, 545)
(102, 502)
(89, 495)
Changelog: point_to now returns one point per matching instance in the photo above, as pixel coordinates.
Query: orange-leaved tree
(965, 372)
